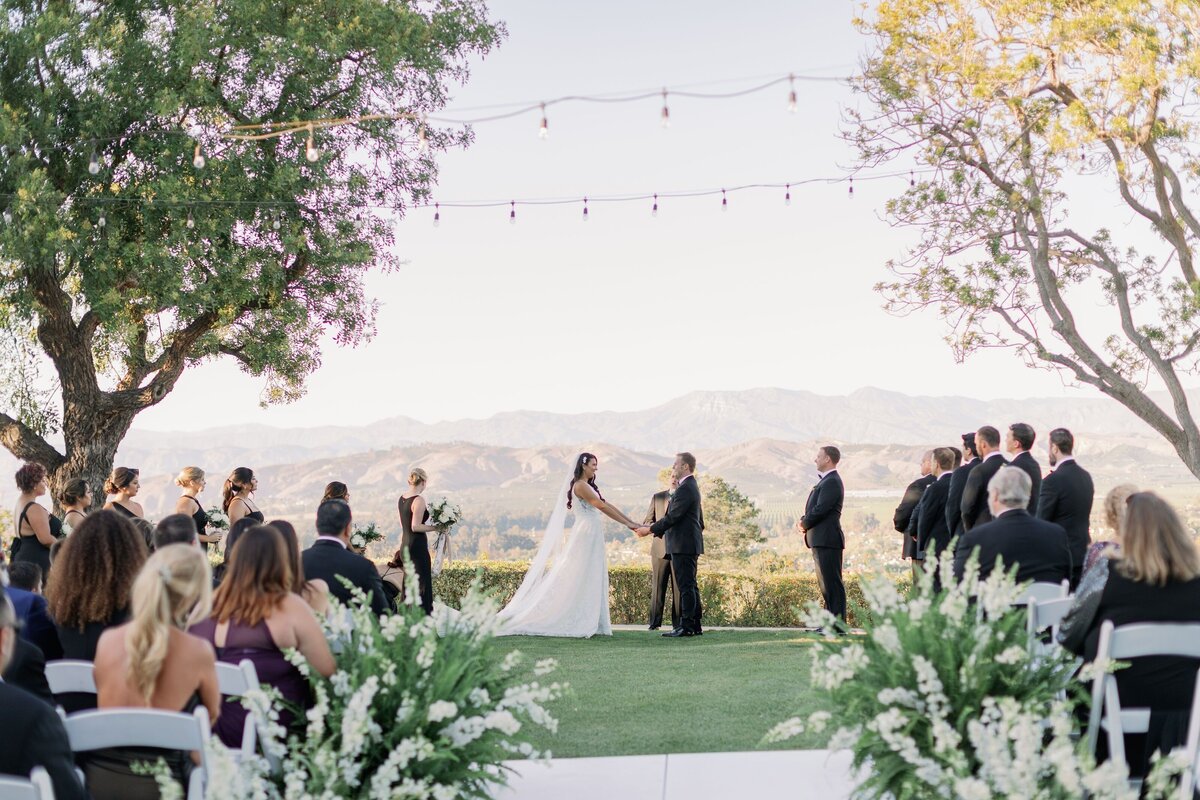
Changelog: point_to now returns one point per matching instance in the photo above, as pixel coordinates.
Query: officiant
(660, 563)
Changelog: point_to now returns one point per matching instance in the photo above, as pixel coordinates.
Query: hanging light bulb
(666, 112)
(275, 224)
(852, 188)
(198, 158)
(787, 195)
(791, 104)
(310, 147)
(912, 179)
(191, 223)
(437, 215)
(544, 130)
(94, 162)
(724, 201)
(512, 212)
(585, 210)
(654, 208)
(100, 223)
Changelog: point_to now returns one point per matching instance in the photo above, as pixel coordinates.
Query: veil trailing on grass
(553, 542)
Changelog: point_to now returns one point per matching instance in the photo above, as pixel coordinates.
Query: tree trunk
(92, 438)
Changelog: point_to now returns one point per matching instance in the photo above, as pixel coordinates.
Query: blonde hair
(173, 590)
(189, 475)
(1116, 505)
(1155, 547)
(417, 475)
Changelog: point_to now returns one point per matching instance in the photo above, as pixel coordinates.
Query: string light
(198, 158)
(787, 196)
(94, 162)
(912, 179)
(852, 188)
(310, 147)
(792, 105)
(437, 215)
(276, 224)
(544, 130)
(512, 212)
(585, 213)
(654, 208)
(666, 112)
(100, 223)
(191, 222)
(724, 201)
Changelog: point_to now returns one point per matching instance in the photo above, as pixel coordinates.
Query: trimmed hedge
(743, 601)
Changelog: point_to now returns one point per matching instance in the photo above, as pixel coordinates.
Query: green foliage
(730, 521)
(728, 598)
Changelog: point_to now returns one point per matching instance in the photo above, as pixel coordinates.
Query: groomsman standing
(822, 528)
(1066, 498)
(933, 536)
(1020, 442)
(958, 482)
(903, 518)
(660, 564)
(974, 506)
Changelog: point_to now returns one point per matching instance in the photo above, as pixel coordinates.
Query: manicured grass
(637, 693)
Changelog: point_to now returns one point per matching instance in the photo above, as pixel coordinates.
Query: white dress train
(568, 595)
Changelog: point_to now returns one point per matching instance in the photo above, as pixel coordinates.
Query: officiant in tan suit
(660, 564)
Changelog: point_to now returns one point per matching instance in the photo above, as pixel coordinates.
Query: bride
(565, 592)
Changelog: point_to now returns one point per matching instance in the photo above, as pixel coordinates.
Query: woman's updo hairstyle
(417, 477)
(29, 476)
(73, 492)
(120, 479)
(189, 475)
(580, 463)
(336, 490)
(241, 478)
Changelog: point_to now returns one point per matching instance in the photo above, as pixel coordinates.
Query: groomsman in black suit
(331, 558)
(958, 482)
(903, 519)
(660, 564)
(682, 531)
(822, 528)
(974, 505)
(1019, 443)
(933, 535)
(1066, 498)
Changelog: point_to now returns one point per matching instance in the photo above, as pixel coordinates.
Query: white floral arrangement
(360, 537)
(418, 707)
(217, 519)
(444, 515)
(945, 696)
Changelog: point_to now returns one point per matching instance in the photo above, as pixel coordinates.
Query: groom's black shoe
(655, 627)
(678, 633)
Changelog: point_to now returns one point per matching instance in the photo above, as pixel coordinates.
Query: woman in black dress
(123, 485)
(411, 506)
(76, 500)
(191, 481)
(36, 528)
(235, 498)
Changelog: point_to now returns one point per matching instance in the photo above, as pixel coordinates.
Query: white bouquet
(443, 514)
(217, 519)
(363, 536)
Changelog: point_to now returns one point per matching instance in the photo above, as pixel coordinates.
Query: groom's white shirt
(821, 475)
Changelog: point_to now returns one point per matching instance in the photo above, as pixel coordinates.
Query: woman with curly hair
(36, 528)
(91, 580)
(151, 662)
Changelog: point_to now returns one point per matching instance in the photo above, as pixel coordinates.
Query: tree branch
(25, 444)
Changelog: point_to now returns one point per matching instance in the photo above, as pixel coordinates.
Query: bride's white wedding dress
(565, 592)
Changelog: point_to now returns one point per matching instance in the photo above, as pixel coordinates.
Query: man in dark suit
(331, 558)
(974, 504)
(682, 530)
(958, 482)
(25, 592)
(903, 519)
(933, 535)
(33, 734)
(822, 528)
(660, 564)
(1019, 443)
(1014, 536)
(1066, 498)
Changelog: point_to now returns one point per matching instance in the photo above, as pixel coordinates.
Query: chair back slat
(236, 681)
(1041, 591)
(1048, 613)
(1155, 639)
(128, 727)
(36, 787)
(69, 675)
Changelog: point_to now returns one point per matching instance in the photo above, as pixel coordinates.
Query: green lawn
(637, 693)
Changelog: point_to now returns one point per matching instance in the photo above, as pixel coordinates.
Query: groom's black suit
(682, 531)
(822, 523)
(660, 567)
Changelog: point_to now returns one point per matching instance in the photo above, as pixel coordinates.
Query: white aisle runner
(791, 774)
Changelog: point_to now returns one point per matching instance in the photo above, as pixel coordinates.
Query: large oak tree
(1026, 116)
(125, 259)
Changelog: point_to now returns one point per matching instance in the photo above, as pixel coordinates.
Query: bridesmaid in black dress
(76, 500)
(36, 528)
(235, 500)
(123, 485)
(412, 505)
(191, 481)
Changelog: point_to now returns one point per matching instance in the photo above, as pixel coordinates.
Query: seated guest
(235, 531)
(315, 592)
(330, 557)
(27, 671)
(1154, 578)
(151, 662)
(145, 529)
(175, 529)
(32, 734)
(25, 591)
(257, 616)
(91, 581)
(1115, 503)
(1014, 536)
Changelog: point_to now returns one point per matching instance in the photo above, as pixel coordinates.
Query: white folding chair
(67, 676)
(236, 681)
(1187, 781)
(1122, 644)
(38, 787)
(1042, 591)
(137, 727)
(1045, 614)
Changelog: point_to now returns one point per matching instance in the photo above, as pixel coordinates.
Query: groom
(682, 530)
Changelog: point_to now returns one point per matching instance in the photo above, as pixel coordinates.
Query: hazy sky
(628, 311)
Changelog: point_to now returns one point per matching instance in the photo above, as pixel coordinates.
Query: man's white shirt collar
(1062, 460)
(337, 539)
(821, 475)
(681, 480)
(993, 453)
